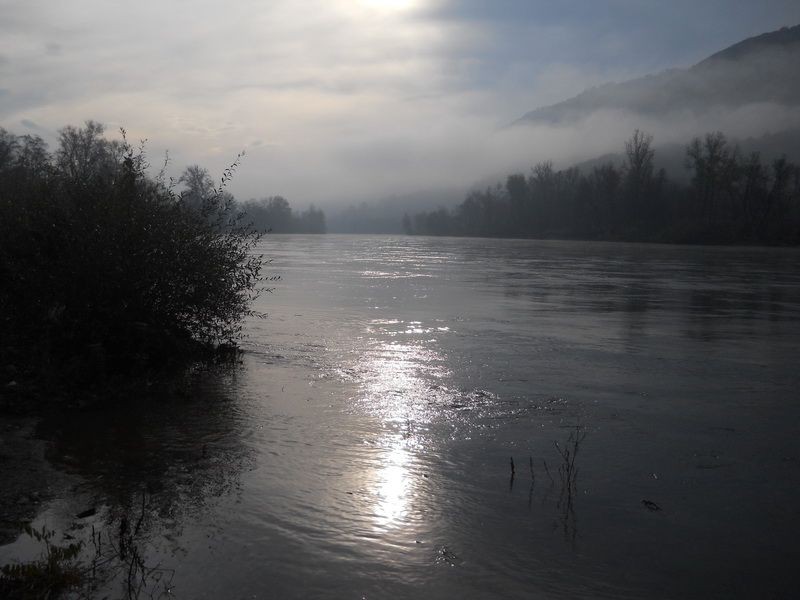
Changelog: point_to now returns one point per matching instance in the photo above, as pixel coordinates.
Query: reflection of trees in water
(711, 310)
(150, 463)
(694, 286)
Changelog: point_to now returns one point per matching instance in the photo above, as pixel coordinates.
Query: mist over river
(647, 395)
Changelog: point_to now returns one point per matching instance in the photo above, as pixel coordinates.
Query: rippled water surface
(363, 448)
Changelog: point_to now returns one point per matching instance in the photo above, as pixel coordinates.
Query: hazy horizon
(353, 101)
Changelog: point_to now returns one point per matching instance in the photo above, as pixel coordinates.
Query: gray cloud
(28, 124)
(345, 95)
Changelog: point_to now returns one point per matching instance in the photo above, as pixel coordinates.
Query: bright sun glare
(388, 5)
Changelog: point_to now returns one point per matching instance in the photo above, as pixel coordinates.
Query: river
(647, 396)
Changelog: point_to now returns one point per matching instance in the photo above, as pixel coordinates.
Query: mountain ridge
(755, 70)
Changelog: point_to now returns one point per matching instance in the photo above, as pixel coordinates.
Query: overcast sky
(333, 98)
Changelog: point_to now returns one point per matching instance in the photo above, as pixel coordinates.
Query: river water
(647, 395)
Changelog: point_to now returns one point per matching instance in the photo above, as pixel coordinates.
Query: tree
(280, 214)
(519, 198)
(639, 188)
(777, 198)
(639, 152)
(198, 186)
(543, 189)
(275, 214)
(604, 189)
(8, 149)
(84, 155)
(407, 228)
(311, 220)
(714, 166)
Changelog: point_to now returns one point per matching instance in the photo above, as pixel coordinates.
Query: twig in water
(123, 535)
(141, 516)
(546, 470)
(568, 473)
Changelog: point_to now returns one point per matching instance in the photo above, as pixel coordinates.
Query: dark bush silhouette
(101, 263)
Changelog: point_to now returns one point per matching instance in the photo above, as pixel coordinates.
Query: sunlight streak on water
(394, 485)
(396, 388)
(397, 379)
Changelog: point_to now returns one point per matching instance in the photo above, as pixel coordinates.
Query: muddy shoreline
(29, 479)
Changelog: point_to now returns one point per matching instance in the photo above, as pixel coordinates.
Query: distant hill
(761, 69)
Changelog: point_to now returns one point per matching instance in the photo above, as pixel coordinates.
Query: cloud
(28, 124)
(339, 98)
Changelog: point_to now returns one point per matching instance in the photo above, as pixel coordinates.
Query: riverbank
(29, 479)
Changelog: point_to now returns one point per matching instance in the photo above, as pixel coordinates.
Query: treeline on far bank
(729, 199)
(271, 214)
(276, 215)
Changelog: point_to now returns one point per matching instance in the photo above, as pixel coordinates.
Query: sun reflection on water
(393, 486)
(398, 376)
